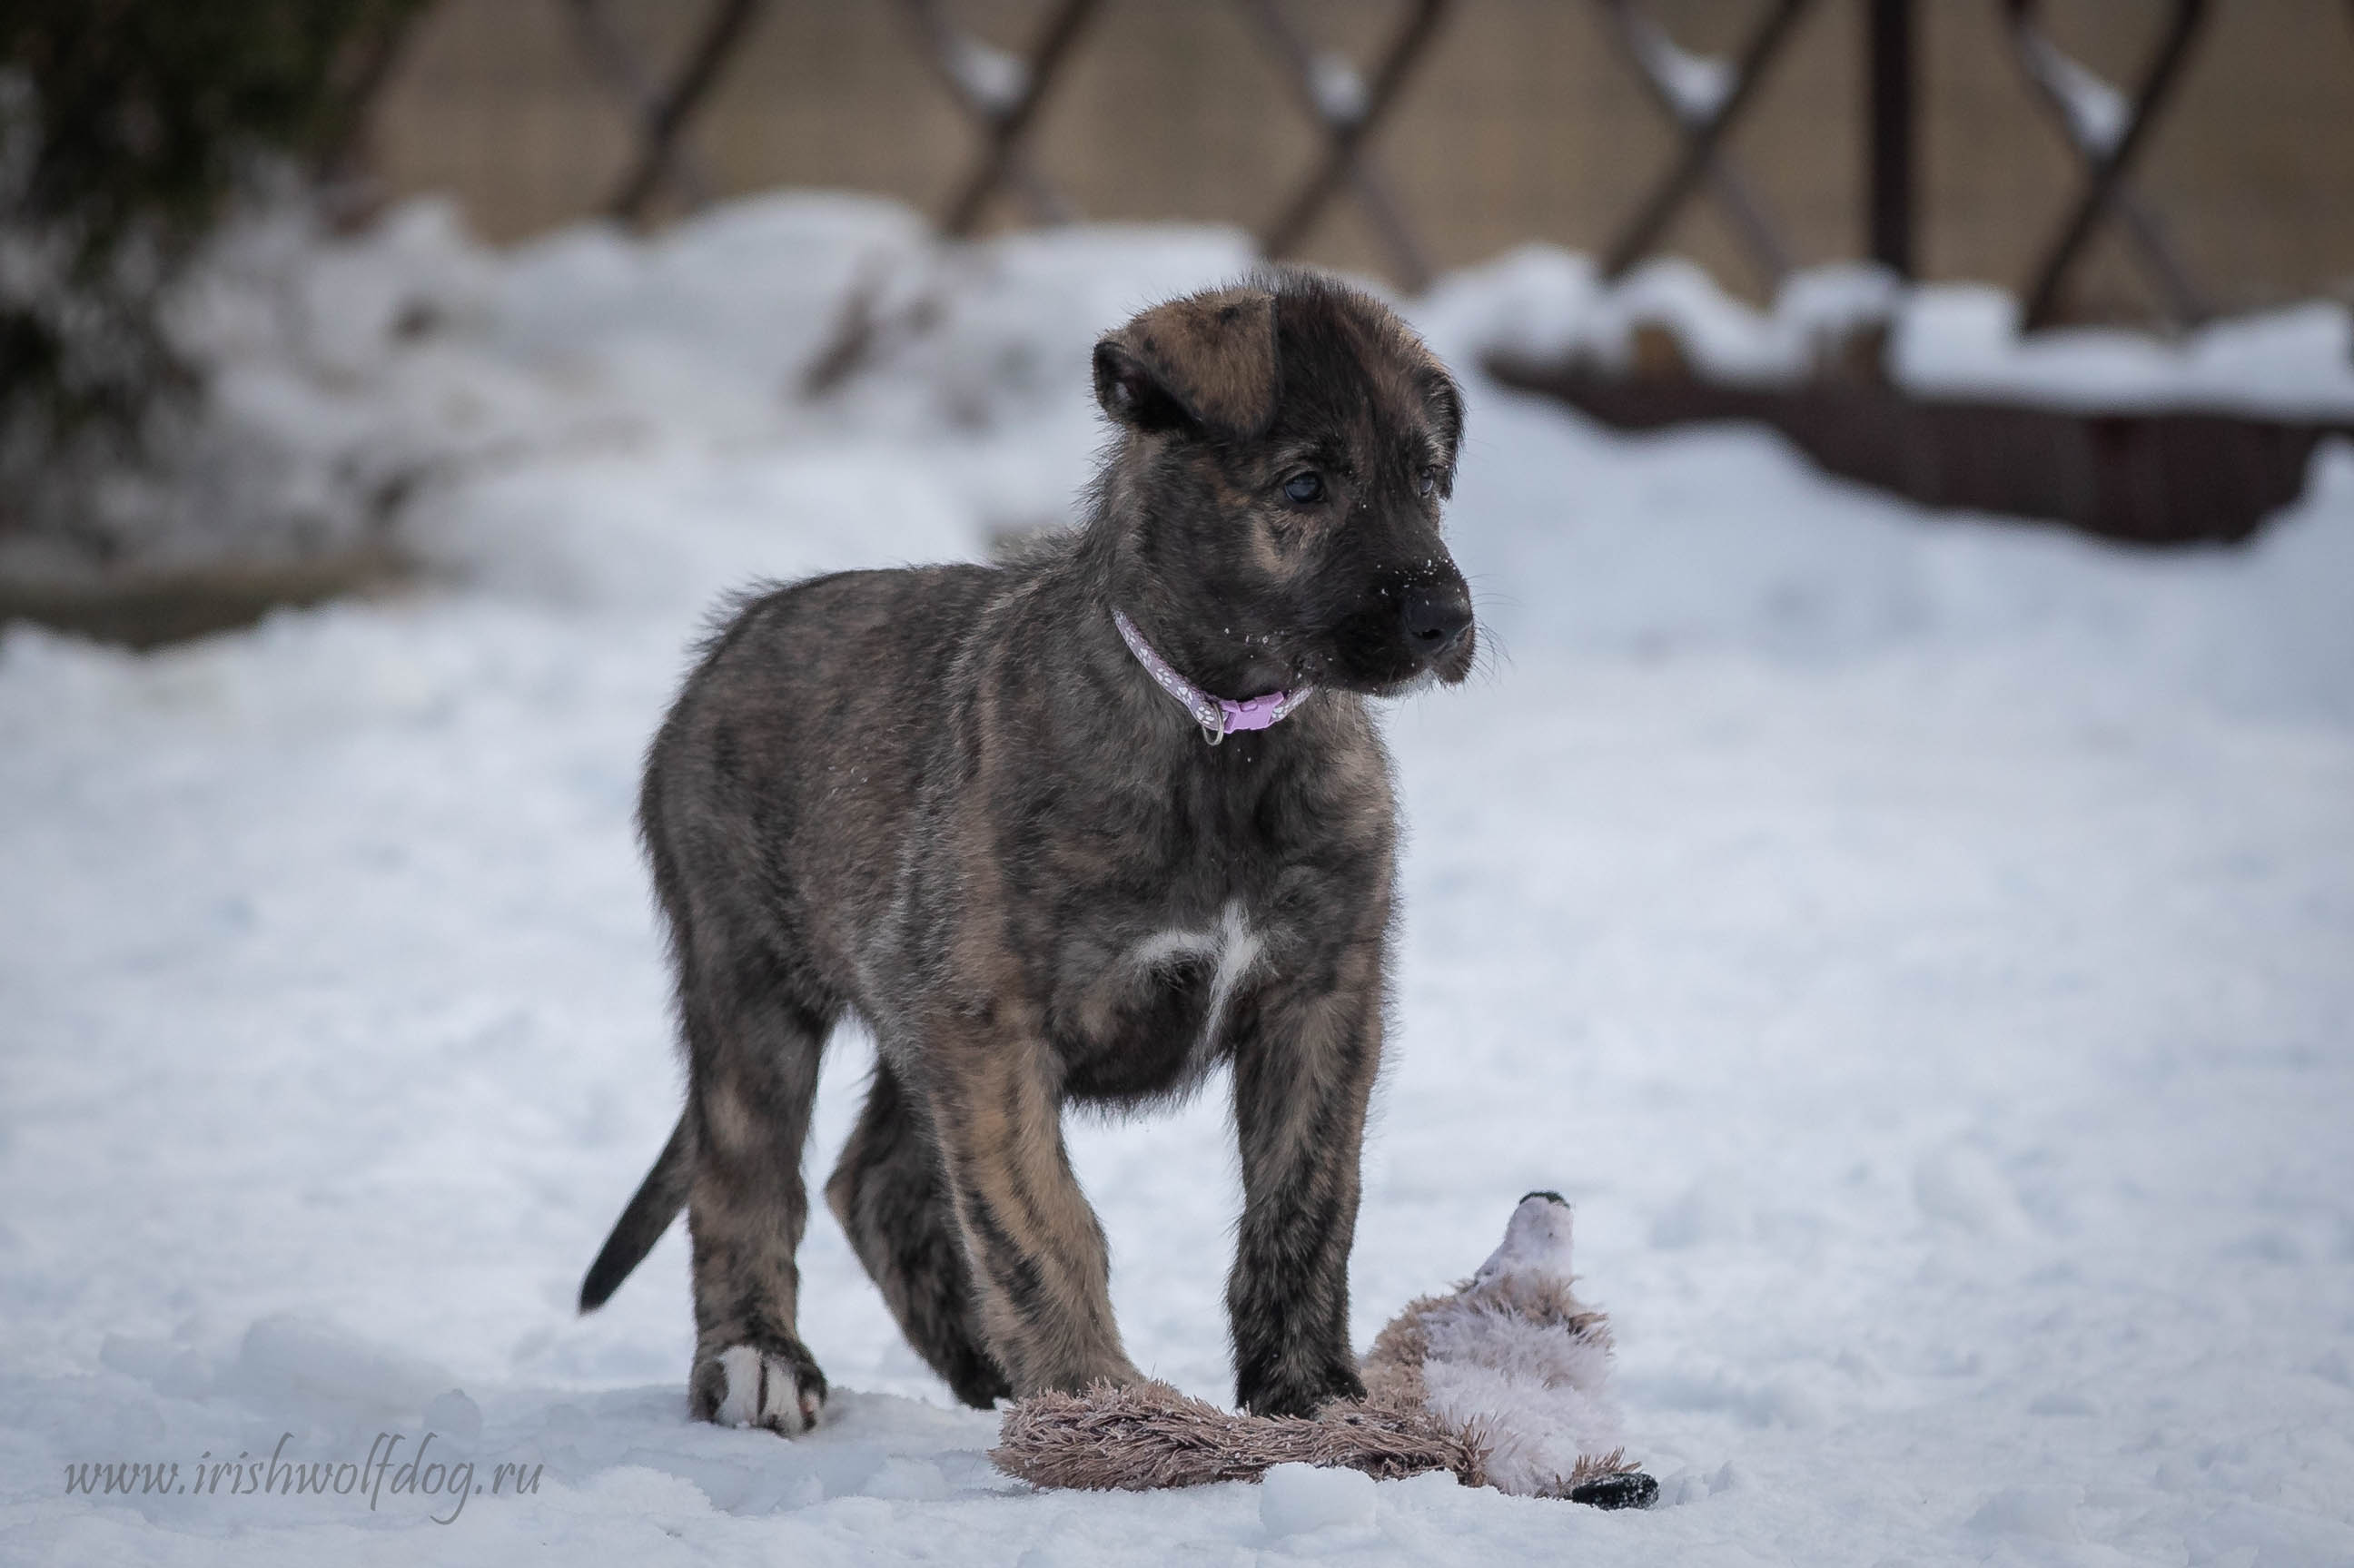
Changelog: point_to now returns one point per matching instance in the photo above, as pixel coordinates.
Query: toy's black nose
(1436, 616)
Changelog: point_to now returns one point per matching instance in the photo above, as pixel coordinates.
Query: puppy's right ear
(1130, 393)
(1205, 362)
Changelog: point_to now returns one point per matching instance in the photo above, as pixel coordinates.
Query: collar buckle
(1218, 716)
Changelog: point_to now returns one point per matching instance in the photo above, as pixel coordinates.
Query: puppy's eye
(1303, 488)
(1429, 483)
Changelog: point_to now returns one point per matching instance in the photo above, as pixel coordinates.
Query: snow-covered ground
(1922, 949)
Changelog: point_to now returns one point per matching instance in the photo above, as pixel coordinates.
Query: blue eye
(1429, 481)
(1303, 488)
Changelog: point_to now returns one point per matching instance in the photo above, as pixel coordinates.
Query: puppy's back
(783, 780)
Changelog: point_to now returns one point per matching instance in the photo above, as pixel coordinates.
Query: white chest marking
(1232, 948)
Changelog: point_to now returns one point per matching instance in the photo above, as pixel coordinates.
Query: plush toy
(1504, 1382)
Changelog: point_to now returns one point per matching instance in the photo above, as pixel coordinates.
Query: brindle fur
(949, 801)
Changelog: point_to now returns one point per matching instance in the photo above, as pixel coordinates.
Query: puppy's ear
(1206, 361)
(1443, 400)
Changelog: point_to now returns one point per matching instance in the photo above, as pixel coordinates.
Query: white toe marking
(742, 1405)
(782, 1408)
(762, 1391)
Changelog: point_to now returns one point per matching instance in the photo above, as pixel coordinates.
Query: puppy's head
(1287, 448)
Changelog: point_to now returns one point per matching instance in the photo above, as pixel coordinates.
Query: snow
(989, 76)
(1337, 90)
(1296, 1498)
(1695, 86)
(1919, 947)
(1947, 340)
(2096, 113)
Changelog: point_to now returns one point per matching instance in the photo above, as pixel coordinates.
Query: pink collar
(1218, 716)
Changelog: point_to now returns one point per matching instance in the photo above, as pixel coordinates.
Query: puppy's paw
(1302, 1393)
(776, 1386)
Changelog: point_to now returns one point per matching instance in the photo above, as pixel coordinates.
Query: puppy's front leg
(1038, 1258)
(1305, 1061)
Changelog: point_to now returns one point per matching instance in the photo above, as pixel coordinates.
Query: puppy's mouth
(1454, 666)
(1389, 670)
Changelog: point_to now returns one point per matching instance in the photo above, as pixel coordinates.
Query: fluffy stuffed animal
(1504, 1382)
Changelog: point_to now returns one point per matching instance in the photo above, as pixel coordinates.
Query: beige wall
(1523, 124)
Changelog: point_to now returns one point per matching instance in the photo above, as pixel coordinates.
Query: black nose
(1436, 615)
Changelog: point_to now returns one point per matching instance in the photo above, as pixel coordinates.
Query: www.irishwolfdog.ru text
(385, 1472)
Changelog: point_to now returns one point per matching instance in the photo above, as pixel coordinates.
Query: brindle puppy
(951, 800)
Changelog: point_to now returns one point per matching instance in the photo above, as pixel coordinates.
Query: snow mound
(1953, 340)
(1294, 1499)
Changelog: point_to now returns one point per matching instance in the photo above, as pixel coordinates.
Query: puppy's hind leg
(752, 1049)
(888, 1192)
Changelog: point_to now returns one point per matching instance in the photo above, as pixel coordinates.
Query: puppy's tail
(660, 1198)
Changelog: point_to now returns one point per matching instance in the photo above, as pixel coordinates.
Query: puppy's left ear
(1444, 401)
(1205, 362)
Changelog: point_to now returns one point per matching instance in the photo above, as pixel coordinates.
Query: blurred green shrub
(127, 131)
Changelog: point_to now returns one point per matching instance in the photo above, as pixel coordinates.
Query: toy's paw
(1627, 1488)
(1301, 1395)
(777, 1386)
